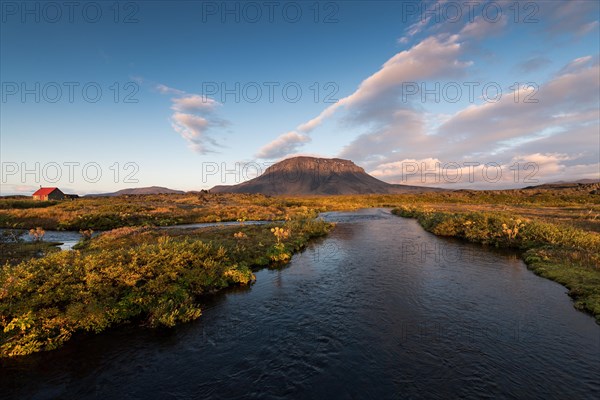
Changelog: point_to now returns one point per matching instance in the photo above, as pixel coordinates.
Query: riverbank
(139, 272)
(142, 275)
(562, 253)
(105, 213)
(576, 206)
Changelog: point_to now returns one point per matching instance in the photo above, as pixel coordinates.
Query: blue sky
(160, 120)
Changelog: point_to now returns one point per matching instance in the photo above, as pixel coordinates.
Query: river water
(68, 239)
(379, 309)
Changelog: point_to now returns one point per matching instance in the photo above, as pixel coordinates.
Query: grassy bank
(104, 213)
(575, 206)
(565, 254)
(137, 272)
(145, 275)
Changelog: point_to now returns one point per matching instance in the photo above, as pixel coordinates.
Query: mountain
(135, 191)
(317, 176)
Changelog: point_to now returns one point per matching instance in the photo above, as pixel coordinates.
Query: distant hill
(137, 191)
(317, 176)
(584, 181)
(582, 184)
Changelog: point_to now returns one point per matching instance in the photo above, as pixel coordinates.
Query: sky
(100, 96)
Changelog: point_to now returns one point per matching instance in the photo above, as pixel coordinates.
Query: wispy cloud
(433, 57)
(378, 97)
(533, 64)
(569, 17)
(193, 117)
(480, 27)
(164, 89)
(194, 103)
(588, 28)
(414, 29)
(283, 145)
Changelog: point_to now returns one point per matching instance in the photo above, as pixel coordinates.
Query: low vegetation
(135, 271)
(565, 254)
(149, 275)
(104, 213)
(575, 206)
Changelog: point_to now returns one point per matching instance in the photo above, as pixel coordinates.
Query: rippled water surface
(67, 239)
(379, 309)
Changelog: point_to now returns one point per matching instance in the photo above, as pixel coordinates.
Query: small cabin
(51, 193)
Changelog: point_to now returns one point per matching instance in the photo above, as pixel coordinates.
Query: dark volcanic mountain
(317, 176)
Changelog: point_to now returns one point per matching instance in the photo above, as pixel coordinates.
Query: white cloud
(481, 27)
(566, 100)
(559, 133)
(518, 171)
(194, 116)
(576, 65)
(194, 103)
(569, 17)
(193, 129)
(283, 145)
(587, 28)
(403, 129)
(163, 89)
(433, 57)
(533, 64)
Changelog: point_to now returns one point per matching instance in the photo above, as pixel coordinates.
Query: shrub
(44, 301)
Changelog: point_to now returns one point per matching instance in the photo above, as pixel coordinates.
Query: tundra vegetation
(134, 271)
(147, 275)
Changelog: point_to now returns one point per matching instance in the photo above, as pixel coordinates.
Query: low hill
(580, 185)
(137, 191)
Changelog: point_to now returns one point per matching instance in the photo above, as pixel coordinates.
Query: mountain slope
(316, 176)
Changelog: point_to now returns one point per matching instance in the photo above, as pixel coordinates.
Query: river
(379, 309)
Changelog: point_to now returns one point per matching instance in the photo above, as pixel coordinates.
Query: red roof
(44, 191)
